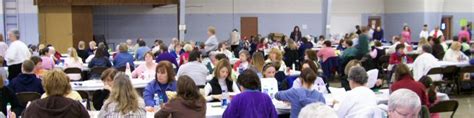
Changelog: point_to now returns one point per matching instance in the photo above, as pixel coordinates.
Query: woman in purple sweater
(251, 103)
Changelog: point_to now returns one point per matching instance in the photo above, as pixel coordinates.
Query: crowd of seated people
(302, 67)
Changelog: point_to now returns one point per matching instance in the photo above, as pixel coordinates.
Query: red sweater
(408, 82)
(396, 58)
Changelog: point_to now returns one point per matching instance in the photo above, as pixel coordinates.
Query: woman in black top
(82, 52)
(296, 34)
(291, 55)
(221, 82)
(438, 50)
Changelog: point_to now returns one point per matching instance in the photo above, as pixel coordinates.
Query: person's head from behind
(188, 91)
(351, 64)
(165, 72)
(275, 55)
(81, 45)
(404, 103)
(244, 55)
(400, 48)
(195, 56)
(309, 64)
(56, 83)
(163, 48)
(124, 94)
(188, 47)
(436, 40)
(327, 44)
(317, 110)
(426, 48)
(211, 30)
(307, 77)
(141, 43)
(37, 61)
(347, 43)
(27, 67)
(258, 60)
(430, 88)
(45, 52)
(221, 56)
(248, 80)
(108, 75)
(310, 55)
(357, 27)
(100, 52)
(129, 42)
(123, 48)
(401, 71)
(406, 28)
(357, 77)
(223, 70)
(456, 46)
(425, 27)
(14, 35)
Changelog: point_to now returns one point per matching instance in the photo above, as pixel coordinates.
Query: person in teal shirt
(349, 53)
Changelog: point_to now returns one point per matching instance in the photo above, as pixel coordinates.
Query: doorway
(375, 21)
(249, 26)
(446, 26)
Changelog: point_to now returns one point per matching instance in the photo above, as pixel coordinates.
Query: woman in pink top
(327, 51)
(183, 58)
(406, 34)
(48, 62)
(464, 34)
(74, 61)
(146, 70)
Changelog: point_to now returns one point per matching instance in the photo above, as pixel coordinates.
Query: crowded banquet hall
(236, 59)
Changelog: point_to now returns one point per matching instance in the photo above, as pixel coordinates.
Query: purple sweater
(251, 104)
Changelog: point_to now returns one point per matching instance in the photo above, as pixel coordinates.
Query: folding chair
(467, 69)
(74, 74)
(445, 106)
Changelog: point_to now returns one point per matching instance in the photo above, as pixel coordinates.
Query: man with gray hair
(16, 53)
(404, 103)
(317, 110)
(360, 100)
(424, 62)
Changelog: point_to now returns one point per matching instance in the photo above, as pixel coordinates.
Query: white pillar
(2, 28)
(182, 24)
(326, 9)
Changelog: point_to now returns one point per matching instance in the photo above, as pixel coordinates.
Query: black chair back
(25, 97)
(85, 96)
(72, 71)
(425, 112)
(467, 69)
(445, 106)
(96, 72)
(437, 70)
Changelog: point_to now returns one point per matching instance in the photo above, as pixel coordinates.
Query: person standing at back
(464, 34)
(16, 53)
(195, 69)
(211, 42)
(424, 33)
(296, 34)
(363, 43)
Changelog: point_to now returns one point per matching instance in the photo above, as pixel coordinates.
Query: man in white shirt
(360, 101)
(194, 69)
(423, 64)
(424, 33)
(436, 32)
(16, 53)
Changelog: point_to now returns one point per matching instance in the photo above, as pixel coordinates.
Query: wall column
(182, 19)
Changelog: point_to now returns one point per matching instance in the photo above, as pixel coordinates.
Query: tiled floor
(466, 106)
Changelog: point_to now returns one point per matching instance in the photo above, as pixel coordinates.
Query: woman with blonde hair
(221, 82)
(57, 101)
(423, 41)
(276, 56)
(183, 58)
(74, 61)
(258, 61)
(124, 100)
(291, 54)
(454, 53)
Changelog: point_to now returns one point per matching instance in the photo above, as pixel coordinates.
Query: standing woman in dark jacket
(100, 59)
(378, 34)
(296, 34)
(7, 96)
(438, 50)
(291, 55)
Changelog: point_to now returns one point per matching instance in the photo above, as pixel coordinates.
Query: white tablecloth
(93, 85)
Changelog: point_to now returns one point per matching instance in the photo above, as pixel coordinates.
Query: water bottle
(225, 97)
(127, 70)
(161, 100)
(156, 98)
(404, 60)
(8, 110)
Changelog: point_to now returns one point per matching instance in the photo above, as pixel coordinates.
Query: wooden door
(249, 26)
(375, 20)
(446, 26)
